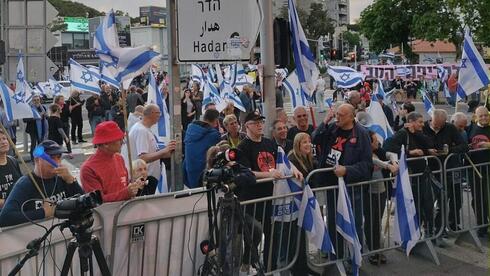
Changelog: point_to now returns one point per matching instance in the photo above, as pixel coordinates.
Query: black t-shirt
(9, 173)
(54, 124)
(259, 157)
(294, 130)
(477, 135)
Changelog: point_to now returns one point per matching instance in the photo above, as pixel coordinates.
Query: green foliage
(388, 22)
(68, 8)
(315, 23)
(352, 38)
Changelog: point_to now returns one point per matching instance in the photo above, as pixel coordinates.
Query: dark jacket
(93, 109)
(448, 135)
(199, 137)
(357, 156)
(411, 141)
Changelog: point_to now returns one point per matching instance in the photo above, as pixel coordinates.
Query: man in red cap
(105, 170)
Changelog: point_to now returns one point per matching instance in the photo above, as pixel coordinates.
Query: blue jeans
(94, 121)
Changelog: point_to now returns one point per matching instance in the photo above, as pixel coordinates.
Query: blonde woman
(140, 171)
(301, 156)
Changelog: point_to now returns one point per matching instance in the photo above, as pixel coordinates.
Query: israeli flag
(15, 107)
(379, 124)
(473, 73)
(310, 219)
(428, 106)
(305, 62)
(198, 75)
(106, 39)
(107, 72)
(58, 89)
(285, 208)
(403, 71)
(40, 87)
(241, 78)
(406, 226)
(346, 226)
(162, 186)
(162, 128)
(228, 94)
(329, 102)
(296, 93)
(84, 79)
(380, 89)
(345, 77)
(20, 77)
(212, 95)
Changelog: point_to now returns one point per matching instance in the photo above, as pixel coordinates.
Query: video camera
(78, 206)
(222, 174)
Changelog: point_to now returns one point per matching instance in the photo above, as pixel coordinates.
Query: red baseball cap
(107, 132)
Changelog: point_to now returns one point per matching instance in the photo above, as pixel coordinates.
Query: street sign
(216, 30)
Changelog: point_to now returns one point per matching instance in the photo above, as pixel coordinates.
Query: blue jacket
(199, 137)
(357, 157)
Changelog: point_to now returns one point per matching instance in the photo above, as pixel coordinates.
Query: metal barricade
(159, 235)
(468, 189)
(372, 204)
(50, 259)
(274, 232)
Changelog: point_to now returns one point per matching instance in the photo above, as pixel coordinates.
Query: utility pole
(269, 66)
(176, 179)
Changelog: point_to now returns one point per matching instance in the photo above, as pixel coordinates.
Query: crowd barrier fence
(161, 235)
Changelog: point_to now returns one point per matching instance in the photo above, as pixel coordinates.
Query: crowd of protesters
(339, 142)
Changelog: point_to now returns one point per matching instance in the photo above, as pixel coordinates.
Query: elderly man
(279, 133)
(300, 117)
(479, 137)
(460, 121)
(354, 99)
(446, 139)
(346, 147)
(105, 170)
(144, 145)
(233, 135)
(25, 202)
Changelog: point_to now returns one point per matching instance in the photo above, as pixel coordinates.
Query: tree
(74, 9)
(352, 38)
(315, 23)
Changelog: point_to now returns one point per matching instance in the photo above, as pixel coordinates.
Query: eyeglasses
(260, 122)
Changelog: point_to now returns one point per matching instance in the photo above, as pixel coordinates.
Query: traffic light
(333, 54)
(353, 57)
(2, 52)
(282, 42)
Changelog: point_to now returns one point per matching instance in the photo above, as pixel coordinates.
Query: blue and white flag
(379, 124)
(443, 75)
(346, 226)
(310, 219)
(40, 87)
(228, 94)
(406, 225)
(198, 75)
(345, 77)
(306, 68)
(84, 79)
(286, 208)
(58, 89)
(296, 93)
(15, 108)
(107, 72)
(241, 78)
(403, 71)
(162, 185)
(473, 73)
(20, 77)
(162, 128)
(380, 89)
(212, 95)
(428, 106)
(106, 39)
(329, 102)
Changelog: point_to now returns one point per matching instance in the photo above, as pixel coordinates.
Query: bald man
(300, 116)
(346, 147)
(354, 99)
(479, 138)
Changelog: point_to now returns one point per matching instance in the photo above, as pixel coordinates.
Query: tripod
(224, 245)
(86, 244)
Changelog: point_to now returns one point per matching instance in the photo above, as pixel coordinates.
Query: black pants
(76, 129)
(252, 238)
(455, 198)
(374, 208)
(33, 136)
(262, 212)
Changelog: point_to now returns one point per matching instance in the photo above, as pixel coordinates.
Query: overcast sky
(131, 6)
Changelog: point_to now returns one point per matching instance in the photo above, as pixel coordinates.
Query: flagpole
(126, 132)
(29, 173)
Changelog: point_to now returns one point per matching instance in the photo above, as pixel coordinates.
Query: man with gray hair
(300, 117)
(354, 99)
(460, 121)
(446, 139)
(144, 145)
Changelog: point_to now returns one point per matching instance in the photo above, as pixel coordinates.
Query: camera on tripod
(79, 206)
(222, 173)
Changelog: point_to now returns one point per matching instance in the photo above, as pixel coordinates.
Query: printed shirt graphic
(266, 161)
(336, 150)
